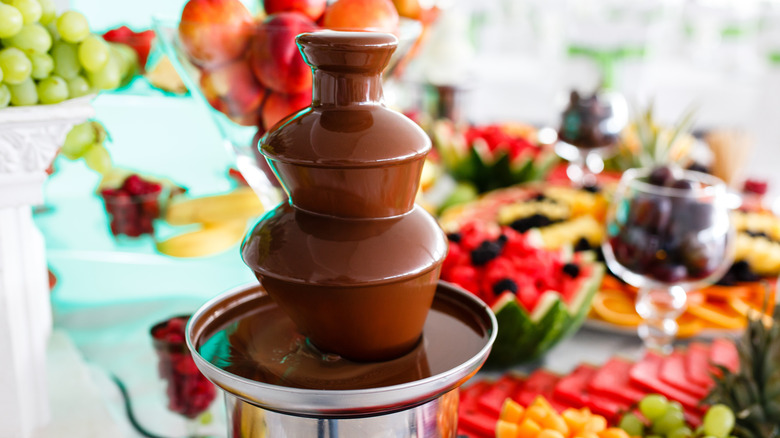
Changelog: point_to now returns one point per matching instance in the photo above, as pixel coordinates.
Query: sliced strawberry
(697, 367)
(613, 380)
(645, 373)
(672, 372)
(505, 387)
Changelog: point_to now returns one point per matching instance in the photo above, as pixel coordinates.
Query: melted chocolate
(349, 259)
(257, 341)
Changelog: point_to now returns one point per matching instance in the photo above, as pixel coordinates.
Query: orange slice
(616, 307)
(725, 292)
(745, 309)
(688, 325)
(719, 314)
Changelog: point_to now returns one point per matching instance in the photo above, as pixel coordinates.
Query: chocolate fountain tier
(246, 345)
(348, 155)
(357, 287)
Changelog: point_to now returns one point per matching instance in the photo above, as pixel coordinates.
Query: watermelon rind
(524, 337)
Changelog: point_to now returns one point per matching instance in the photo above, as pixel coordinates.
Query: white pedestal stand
(29, 140)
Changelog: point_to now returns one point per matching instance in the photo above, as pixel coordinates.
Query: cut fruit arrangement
(492, 156)
(609, 391)
(539, 296)
(557, 216)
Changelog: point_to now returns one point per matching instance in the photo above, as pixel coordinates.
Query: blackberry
(454, 237)
(582, 245)
(503, 285)
(534, 221)
(698, 167)
(593, 188)
(743, 272)
(571, 269)
(539, 197)
(485, 252)
(758, 234)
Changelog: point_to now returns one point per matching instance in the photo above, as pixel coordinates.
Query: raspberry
(755, 186)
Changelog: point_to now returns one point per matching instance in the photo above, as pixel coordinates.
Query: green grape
(98, 158)
(675, 406)
(78, 86)
(718, 421)
(42, 65)
(15, 65)
(24, 93)
(32, 37)
(48, 11)
(108, 77)
(93, 53)
(53, 89)
(632, 424)
(72, 26)
(66, 60)
(31, 10)
(5, 96)
(127, 57)
(682, 432)
(11, 21)
(668, 422)
(80, 138)
(653, 406)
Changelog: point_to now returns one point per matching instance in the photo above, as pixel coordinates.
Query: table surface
(110, 294)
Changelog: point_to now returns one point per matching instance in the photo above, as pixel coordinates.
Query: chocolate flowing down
(350, 258)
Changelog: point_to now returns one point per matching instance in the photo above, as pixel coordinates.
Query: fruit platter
(552, 215)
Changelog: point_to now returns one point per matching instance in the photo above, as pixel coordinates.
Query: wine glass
(589, 132)
(668, 231)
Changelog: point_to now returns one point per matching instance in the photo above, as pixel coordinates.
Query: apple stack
(251, 70)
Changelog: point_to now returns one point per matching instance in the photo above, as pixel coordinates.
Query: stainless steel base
(435, 419)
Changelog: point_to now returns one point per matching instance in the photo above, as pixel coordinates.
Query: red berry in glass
(133, 206)
(189, 392)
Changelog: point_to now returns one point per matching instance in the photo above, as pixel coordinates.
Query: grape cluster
(663, 418)
(46, 58)
(85, 141)
(189, 392)
(133, 206)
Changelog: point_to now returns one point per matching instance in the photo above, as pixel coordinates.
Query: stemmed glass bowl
(589, 132)
(668, 232)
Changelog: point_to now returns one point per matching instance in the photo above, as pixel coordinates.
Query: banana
(211, 239)
(241, 203)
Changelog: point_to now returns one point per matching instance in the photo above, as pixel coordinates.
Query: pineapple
(646, 143)
(753, 393)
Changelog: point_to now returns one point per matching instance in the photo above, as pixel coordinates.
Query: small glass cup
(666, 240)
(132, 216)
(189, 393)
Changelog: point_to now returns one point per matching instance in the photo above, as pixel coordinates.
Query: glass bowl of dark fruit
(133, 206)
(668, 232)
(188, 391)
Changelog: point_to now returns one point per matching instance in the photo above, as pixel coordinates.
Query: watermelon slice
(723, 352)
(540, 382)
(472, 422)
(645, 373)
(697, 368)
(672, 372)
(612, 380)
(492, 400)
(572, 390)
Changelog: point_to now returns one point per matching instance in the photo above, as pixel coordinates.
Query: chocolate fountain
(350, 333)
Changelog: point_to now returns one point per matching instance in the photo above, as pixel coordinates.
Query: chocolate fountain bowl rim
(352, 403)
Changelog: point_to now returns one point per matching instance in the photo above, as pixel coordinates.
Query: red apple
(214, 32)
(278, 106)
(274, 56)
(310, 8)
(375, 15)
(233, 90)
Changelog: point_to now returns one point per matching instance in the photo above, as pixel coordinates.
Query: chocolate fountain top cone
(350, 259)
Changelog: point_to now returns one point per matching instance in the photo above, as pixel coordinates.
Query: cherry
(660, 176)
